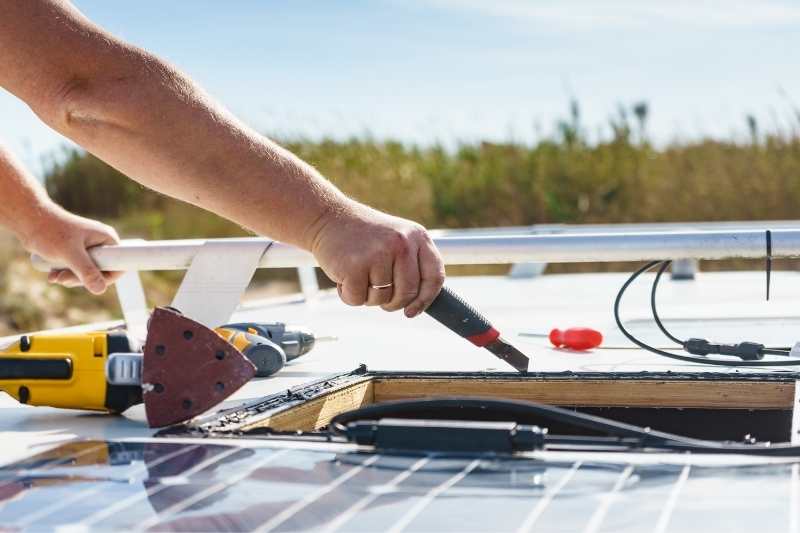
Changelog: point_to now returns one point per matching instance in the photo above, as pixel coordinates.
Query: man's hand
(46, 229)
(64, 238)
(363, 250)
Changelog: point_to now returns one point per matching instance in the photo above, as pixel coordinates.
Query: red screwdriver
(579, 339)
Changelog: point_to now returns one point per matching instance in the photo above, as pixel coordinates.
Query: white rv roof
(725, 306)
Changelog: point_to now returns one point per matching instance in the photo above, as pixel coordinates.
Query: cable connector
(747, 351)
(698, 347)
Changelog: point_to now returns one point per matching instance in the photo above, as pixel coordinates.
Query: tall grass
(562, 178)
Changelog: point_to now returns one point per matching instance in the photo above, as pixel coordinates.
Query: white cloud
(583, 14)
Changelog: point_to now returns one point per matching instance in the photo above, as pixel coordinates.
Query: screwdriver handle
(576, 338)
(461, 318)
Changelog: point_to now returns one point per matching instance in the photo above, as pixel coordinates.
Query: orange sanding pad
(187, 369)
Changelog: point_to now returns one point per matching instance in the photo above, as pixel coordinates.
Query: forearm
(153, 124)
(164, 132)
(25, 204)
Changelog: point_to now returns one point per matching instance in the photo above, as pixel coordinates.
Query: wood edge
(606, 393)
(318, 412)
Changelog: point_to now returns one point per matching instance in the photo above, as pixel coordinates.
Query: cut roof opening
(709, 406)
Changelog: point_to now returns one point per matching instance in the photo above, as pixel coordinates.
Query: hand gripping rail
(494, 249)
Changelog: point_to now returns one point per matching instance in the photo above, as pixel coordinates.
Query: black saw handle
(461, 318)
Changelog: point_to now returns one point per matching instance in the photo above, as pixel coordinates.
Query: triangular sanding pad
(187, 368)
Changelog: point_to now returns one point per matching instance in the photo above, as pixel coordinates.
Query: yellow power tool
(68, 370)
(101, 370)
(184, 369)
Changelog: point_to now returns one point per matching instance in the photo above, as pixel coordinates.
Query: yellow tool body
(66, 370)
(70, 370)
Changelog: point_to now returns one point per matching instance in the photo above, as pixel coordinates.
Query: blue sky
(460, 70)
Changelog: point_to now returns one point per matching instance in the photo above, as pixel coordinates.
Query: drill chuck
(295, 341)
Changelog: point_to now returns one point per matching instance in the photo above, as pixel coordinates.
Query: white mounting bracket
(216, 280)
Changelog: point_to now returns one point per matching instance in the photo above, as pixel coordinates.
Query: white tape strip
(134, 306)
(217, 278)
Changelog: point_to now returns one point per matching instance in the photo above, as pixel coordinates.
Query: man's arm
(154, 124)
(46, 229)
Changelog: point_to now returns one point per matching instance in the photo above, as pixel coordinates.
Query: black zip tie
(769, 260)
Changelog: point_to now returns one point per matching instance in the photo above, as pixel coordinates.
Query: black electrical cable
(507, 409)
(624, 434)
(785, 352)
(664, 265)
(686, 358)
(768, 264)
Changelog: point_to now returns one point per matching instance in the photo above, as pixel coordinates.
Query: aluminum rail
(493, 249)
(637, 227)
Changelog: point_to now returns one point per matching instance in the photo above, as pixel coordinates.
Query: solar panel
(202, 486)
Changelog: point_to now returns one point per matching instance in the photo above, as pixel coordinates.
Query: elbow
(76, 105)
(69, 103)
(120, 96)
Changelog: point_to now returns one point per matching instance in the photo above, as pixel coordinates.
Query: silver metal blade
(509, 354)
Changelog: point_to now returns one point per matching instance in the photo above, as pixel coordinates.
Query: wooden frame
(601, 393)
(318, 412)
(684, 391)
